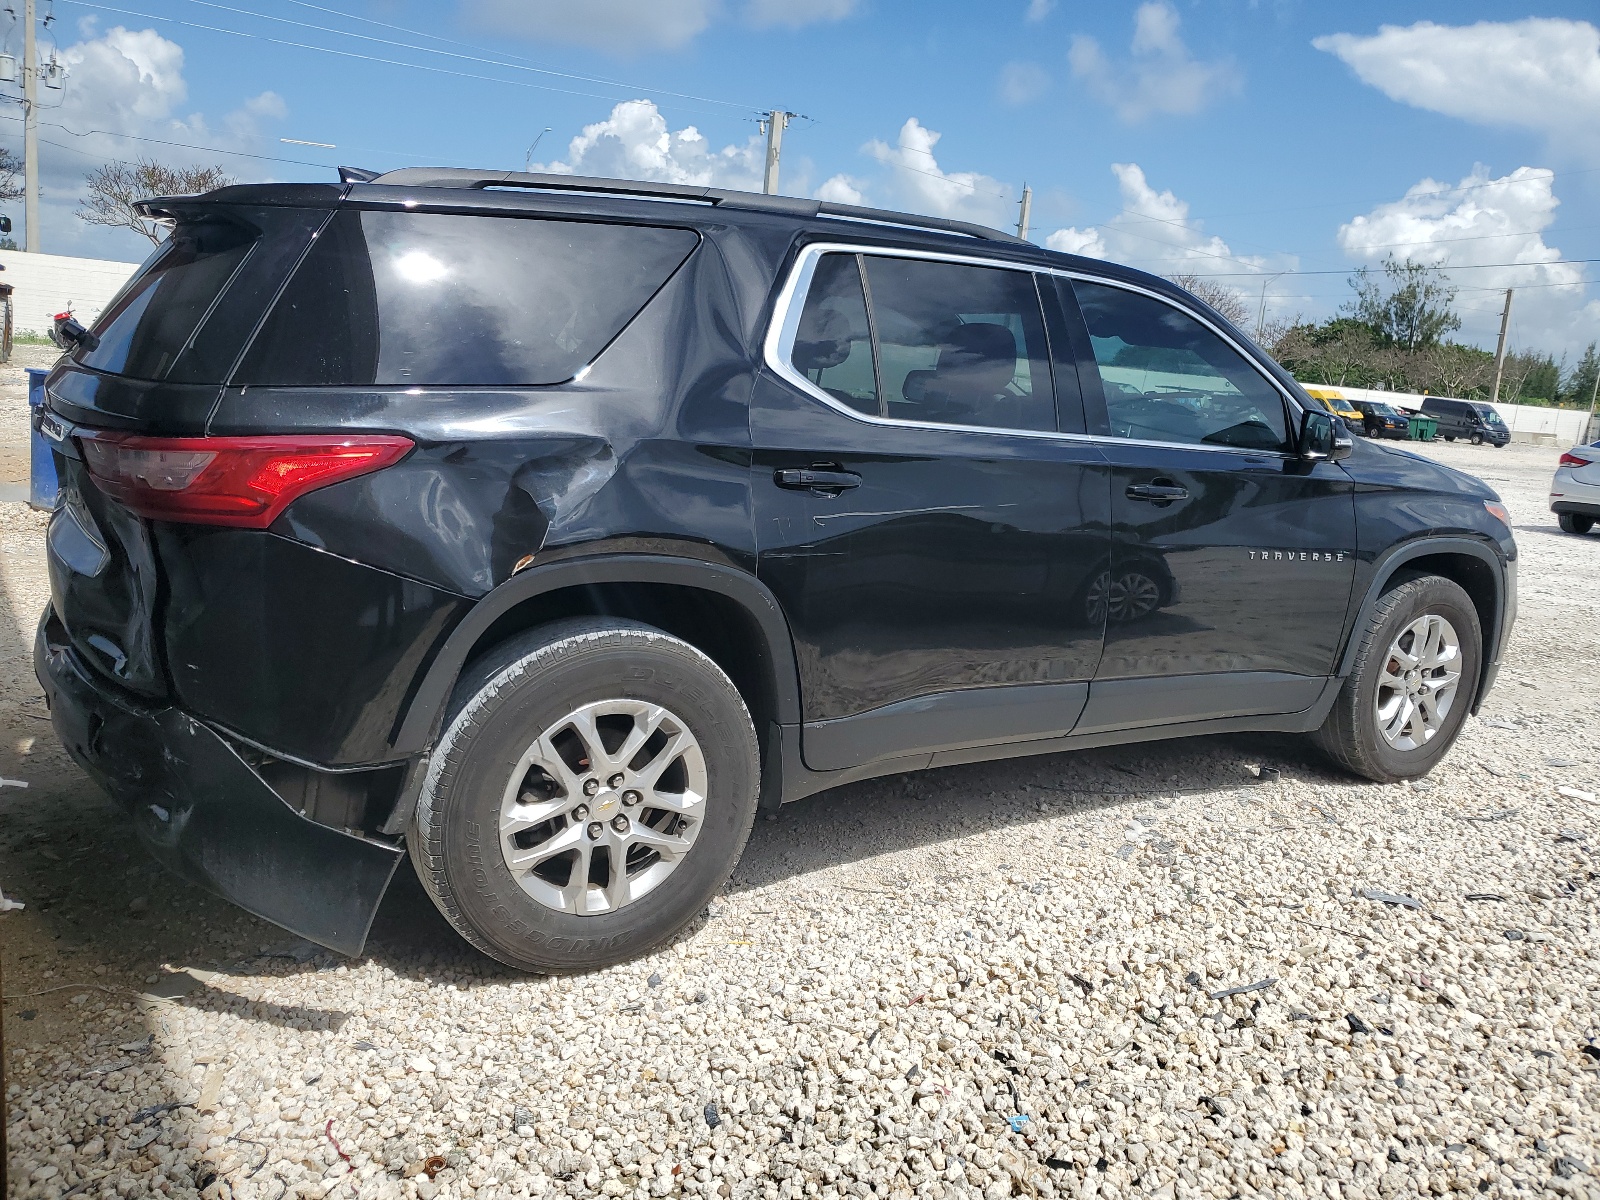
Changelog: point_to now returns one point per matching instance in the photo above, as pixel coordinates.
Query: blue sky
(1223, 138)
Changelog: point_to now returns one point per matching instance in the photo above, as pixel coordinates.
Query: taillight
(1572, 460)
(240, 481)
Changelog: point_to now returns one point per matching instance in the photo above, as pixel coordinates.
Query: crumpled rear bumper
(204, 813)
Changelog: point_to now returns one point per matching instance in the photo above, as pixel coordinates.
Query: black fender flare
(1384, 568)
(417, 728)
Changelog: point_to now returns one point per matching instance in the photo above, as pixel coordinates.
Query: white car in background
(1575, 491)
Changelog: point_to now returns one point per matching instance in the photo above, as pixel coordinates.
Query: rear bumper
(1583, 508)
(203, 812)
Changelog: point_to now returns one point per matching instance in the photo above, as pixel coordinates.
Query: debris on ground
(1257, 986)
(1390, 898)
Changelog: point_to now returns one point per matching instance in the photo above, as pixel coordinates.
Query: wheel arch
(726, 613)
(1475, 565)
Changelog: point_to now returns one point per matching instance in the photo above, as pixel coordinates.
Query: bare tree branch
(116, 187)
(10, 175)
(1220, 297)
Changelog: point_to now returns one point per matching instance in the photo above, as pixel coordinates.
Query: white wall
(45, 284)
(1526, 421)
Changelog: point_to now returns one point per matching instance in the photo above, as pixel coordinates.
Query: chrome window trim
(785, 324)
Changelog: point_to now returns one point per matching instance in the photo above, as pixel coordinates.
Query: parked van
(1471, 419)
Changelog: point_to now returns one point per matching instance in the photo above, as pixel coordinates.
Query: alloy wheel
(603, 806)
(1417, 686)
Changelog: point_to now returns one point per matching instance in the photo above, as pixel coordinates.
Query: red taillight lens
(240, 481)
(1573, 460)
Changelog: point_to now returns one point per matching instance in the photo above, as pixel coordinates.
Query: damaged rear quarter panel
(502, 474)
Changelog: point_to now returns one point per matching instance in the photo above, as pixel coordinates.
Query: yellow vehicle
(1335, 403)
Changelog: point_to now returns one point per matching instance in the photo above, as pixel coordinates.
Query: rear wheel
(1575, 522)
(1415, 674)
(1449, 437)
(593, 788)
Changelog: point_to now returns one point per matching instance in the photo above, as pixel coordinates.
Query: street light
(527, 159)
(1261, 316)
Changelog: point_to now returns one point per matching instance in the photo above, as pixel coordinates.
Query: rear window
(144, 331)
(432, 299)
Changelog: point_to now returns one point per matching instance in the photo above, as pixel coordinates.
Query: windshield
(1383, 410)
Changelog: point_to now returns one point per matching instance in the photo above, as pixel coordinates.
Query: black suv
(551, 528)
(1378, 420)
(1470, 419)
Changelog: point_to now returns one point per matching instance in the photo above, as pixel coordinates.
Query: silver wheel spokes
(1417, 686)
(603, 806)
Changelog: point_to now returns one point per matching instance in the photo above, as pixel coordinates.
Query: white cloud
(633, 26)
(129, 83)
(635, 143)
(1038, 10)
(1153, 232)
(1541, 73)
(1161, 77)
(1477, 224)
(1023, 82)
(921, 185)
(792, 14)
(842, 189)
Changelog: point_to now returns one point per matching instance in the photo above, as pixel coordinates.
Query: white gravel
(995, 980)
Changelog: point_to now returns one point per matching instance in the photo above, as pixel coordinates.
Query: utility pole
(1594, 393)
(30, 131)
(777, 121)
(1500, 348)
(1027, 211)
(1261, 314)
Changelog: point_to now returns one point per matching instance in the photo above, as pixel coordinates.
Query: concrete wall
(1563, 426)
(45, 284)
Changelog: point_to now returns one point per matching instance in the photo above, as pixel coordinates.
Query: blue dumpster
(43, 488)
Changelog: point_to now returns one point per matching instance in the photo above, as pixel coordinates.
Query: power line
(1554, 262)
(478, 58)
(393, 62)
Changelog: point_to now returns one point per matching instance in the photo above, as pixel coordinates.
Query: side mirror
(1321, 438)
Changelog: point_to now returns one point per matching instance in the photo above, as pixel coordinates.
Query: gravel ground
(997, 980)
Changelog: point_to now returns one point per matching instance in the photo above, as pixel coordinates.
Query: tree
(1224, 299)
(1579, 387)
(1450, 369)
(1411, 310)
(116, 187)
(10, 170)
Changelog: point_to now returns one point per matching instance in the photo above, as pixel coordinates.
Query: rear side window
(431, 299)
(961, 345)
(151, 322)
(833, 344)
(1168, 378)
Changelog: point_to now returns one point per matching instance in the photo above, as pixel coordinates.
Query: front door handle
(815, 479)
(1158, 493)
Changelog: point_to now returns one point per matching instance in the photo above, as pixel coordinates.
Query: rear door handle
(1159, 493)
(815, 479)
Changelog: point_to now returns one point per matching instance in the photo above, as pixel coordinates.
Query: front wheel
(594, 786)
(1575, 522)
(1416, 671)
(1476, 439)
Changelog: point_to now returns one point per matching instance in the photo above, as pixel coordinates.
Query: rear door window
(152, 321)
(1168, 378)
(433, 299)
(833, 344)
(960, 345)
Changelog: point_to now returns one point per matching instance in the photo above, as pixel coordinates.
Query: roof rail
(754, 201)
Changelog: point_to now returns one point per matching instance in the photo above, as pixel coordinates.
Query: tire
(1351, 735)
(517, 704)
(1476, 439)
(1449, 437)
(1575, 522)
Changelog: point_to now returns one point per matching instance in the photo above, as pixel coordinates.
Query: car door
(934, 538)
(1232, 559)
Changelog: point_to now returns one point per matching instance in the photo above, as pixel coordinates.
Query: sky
(1273, 145)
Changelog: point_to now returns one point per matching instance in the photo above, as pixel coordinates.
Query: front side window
(432, 299)
(1168, 378)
